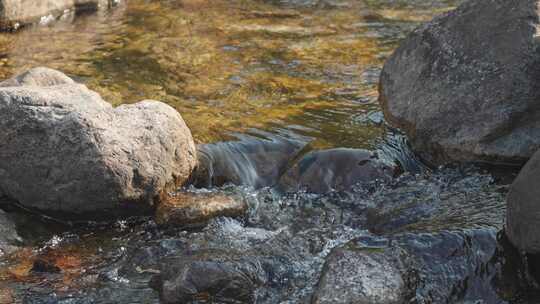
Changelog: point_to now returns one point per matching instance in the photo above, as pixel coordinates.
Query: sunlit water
(291, 73)
(307, 67)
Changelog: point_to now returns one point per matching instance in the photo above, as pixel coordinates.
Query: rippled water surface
(306, 67)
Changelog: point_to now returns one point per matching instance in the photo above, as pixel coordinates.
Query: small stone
(198, 208)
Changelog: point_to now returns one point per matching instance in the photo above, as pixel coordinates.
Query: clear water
(300, 70)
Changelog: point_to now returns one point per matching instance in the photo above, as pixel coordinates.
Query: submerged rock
(64, 149)
(17, 12)
(464, 87)
(523, 208)
(215, 276)
(185, 209)
(335, 169)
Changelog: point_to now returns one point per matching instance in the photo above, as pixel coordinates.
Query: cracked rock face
(464, 87)
(64, 149)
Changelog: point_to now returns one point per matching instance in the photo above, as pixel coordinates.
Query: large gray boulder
(465, 87)
(64, 149)
(16, 12)
(523, 208)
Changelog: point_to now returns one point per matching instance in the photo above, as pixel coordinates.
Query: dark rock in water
(42, 265)
(362, 275)
(523, 208)
(187, 209)
(445, 267)
(63, 149)
(453, 266)
(335, 169)
(250, 161)
(211, 276)
(464, 87)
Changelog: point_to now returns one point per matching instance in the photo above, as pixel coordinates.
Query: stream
(262, 83)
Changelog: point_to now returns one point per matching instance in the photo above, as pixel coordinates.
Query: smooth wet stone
(523, 208)
(335, 169)
(64, 150)
(198, 208)
(17, 12)
(464, 87)
(354, 275)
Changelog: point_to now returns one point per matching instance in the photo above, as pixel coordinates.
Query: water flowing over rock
(14, 13)
(64, 149)
(335, 169)
(248, 161)
(523, 208)
(464, 87)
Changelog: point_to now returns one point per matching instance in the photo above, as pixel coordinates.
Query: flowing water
(278, 75)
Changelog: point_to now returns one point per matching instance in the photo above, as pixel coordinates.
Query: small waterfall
(250, 161)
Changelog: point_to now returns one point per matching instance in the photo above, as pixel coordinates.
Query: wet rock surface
(362, 275)
(64, 149)
(197, 208)
(470, 91)
(211, 276)
(523, 209)
(336, 169)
